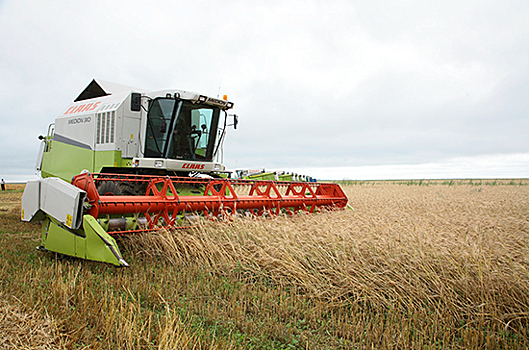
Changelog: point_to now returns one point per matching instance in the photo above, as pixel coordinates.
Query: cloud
(499, 166)
(326, 84)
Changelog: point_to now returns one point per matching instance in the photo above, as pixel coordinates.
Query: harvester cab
(120, 160)
(119, 129)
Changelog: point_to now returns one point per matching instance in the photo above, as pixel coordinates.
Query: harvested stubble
(412, 267)
(20, 330)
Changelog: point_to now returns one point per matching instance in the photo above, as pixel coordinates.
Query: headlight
(158, 163)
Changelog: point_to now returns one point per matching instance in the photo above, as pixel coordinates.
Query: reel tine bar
(161, 204)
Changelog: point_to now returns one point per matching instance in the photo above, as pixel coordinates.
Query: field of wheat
(415, 265)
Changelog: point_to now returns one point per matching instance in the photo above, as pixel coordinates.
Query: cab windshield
(181, 130)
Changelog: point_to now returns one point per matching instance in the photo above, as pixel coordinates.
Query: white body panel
(130, 136)
(55, 197)
(38, 166)
(177, 165)
(31, 201)
(95, 124)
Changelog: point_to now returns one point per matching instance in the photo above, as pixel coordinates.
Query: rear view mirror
(135, 102)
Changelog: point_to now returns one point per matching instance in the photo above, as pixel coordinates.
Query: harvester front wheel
(107, 188)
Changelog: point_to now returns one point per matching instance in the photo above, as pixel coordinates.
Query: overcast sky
(318, 85)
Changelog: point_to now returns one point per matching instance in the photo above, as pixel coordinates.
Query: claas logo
(82, 108)
(193, 166)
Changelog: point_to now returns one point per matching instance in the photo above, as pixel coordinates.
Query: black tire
(109, 188)
(133, 188)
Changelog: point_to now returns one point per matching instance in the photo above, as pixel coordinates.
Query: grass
(450, 182)
(431, 266)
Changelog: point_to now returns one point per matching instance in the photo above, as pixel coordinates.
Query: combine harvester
(120, 160)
